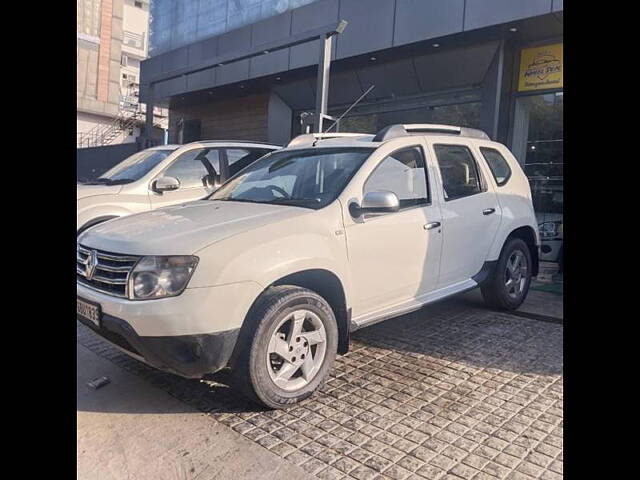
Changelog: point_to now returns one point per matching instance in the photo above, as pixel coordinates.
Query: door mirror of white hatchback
(376, 202)
(166, 184)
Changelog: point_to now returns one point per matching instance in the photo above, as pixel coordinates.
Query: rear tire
(508, 284)
(287, 348)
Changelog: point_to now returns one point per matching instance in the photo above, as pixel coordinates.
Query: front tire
(508, 285)
(288, 348)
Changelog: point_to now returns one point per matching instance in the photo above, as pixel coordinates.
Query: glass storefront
(462, 108)
(467, 115)
(538, 142)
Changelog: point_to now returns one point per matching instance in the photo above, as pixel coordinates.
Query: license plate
(89, 311)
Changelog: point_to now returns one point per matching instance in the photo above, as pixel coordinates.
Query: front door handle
(488, 211)
(431, 225)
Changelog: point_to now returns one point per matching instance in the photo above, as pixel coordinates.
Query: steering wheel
(279, 190)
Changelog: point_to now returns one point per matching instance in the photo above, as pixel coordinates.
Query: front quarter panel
(313, 240)
(121, 205)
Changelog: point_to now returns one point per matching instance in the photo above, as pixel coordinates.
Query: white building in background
(112, 40)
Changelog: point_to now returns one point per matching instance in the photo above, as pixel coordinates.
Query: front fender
(89, 209)
(268, 253)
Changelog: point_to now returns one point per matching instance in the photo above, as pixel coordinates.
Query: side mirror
(376, 202)
(166, 184)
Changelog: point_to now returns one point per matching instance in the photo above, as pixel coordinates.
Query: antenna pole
(349, 109)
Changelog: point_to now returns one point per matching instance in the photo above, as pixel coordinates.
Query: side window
(459, 171)
(403, 173)
(240, 158)
(498, 165)
(190, 169)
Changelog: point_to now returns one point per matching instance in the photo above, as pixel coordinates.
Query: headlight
(158, 277)
(549, 229)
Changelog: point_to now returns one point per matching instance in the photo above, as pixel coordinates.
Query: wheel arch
(528, 235)
(326, 284)
(321, 281)
(95, 221)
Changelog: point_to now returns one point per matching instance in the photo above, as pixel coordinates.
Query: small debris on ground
(99, 382)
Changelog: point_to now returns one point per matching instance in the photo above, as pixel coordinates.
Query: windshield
(310, 178)
(132, 168)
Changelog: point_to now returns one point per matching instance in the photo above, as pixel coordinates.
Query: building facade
(112, 40)
(490, 64)
(99, 44)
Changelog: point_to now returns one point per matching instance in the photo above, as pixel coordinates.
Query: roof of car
(169, 146)
(342, 139)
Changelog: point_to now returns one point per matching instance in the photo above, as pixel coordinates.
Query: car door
(470, 211)
(394, 257)
(198, 172)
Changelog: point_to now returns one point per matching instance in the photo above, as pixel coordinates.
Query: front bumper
(190, 356)
(202, 310)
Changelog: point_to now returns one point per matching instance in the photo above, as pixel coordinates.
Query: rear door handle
(488, 211)
(431, 225)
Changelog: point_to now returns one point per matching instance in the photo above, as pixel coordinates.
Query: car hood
(183, 229)
(84, 191)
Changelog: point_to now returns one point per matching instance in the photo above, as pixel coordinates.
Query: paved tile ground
(130, 430)
(452, 391)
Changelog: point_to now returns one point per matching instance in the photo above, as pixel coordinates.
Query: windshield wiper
(278, 201)
(109, 181)
(96, 181)
(293, 202)
(234, 200)
(121, 181)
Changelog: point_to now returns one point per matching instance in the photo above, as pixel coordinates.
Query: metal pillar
(148, 123)
(492, 94)
(498, 92)
(322, 83)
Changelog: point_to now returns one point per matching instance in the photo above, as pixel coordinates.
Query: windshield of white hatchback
(133, 168)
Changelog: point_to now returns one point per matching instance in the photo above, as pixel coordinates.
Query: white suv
(162, 176)
(270, 274)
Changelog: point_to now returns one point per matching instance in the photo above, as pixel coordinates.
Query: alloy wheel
(516, 274)
(296, 350)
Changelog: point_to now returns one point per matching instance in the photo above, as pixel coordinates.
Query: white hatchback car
(271, 273)
(162, 176)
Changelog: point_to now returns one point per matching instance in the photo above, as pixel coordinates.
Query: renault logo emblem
(90, 265)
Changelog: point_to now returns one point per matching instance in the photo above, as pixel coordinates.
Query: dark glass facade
(174, 23)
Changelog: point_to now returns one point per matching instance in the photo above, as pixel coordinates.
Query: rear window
(497, 164)
(460, 176)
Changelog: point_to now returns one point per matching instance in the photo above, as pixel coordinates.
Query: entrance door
(470, 213)
(198, 172)
(393, 257)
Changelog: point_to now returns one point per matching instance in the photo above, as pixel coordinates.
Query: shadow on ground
(428, 345)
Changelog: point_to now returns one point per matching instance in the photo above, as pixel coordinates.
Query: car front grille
(111, 273)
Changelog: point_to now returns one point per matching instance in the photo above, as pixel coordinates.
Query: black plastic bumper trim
(485, 272)
(191, 356)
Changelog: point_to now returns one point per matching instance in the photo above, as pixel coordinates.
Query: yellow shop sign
(541, 68)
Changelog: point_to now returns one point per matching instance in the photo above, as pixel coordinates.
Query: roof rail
(398, 130)
(256, 142)
(312, 137)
